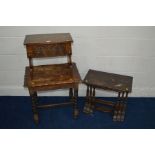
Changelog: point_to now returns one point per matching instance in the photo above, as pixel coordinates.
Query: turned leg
(88, 104)
(34, 100)
(75, 107)
(120, 109)
(124, 106)
(116, 107)
(71, 94)
(90, 100)
(93, 99)
(86, 107)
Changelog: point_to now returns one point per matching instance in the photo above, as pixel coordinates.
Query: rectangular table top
(109, 81)
(48, 75)
(48, 38)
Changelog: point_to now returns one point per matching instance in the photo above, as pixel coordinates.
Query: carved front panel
(51, 50)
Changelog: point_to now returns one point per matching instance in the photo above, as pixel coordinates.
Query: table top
(109, 81)
(48, 38)
(48, 75)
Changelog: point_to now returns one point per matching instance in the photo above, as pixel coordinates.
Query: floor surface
(16, 113)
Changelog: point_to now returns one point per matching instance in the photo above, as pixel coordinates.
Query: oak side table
(111, 82)
(51, 76)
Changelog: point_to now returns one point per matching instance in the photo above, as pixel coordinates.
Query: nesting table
(107, 81)
(51, 76)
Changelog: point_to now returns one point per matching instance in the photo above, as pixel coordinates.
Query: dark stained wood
(86, 108)
(54, 105)
(53, 50)
(49, 45)
(33, 96)
(71, 93)
(93, 99)
(107, 81)
(75, 106)
(103, 109)
(51, 76)
(120, 106)
(104, 102)
(48, 38)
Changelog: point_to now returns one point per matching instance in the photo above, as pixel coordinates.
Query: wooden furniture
(107, 81)
(51, 76)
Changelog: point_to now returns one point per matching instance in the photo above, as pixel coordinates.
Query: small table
(107, 81)
(51, 76)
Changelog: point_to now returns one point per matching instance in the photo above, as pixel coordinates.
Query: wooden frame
(107, 81)
(52, 76)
